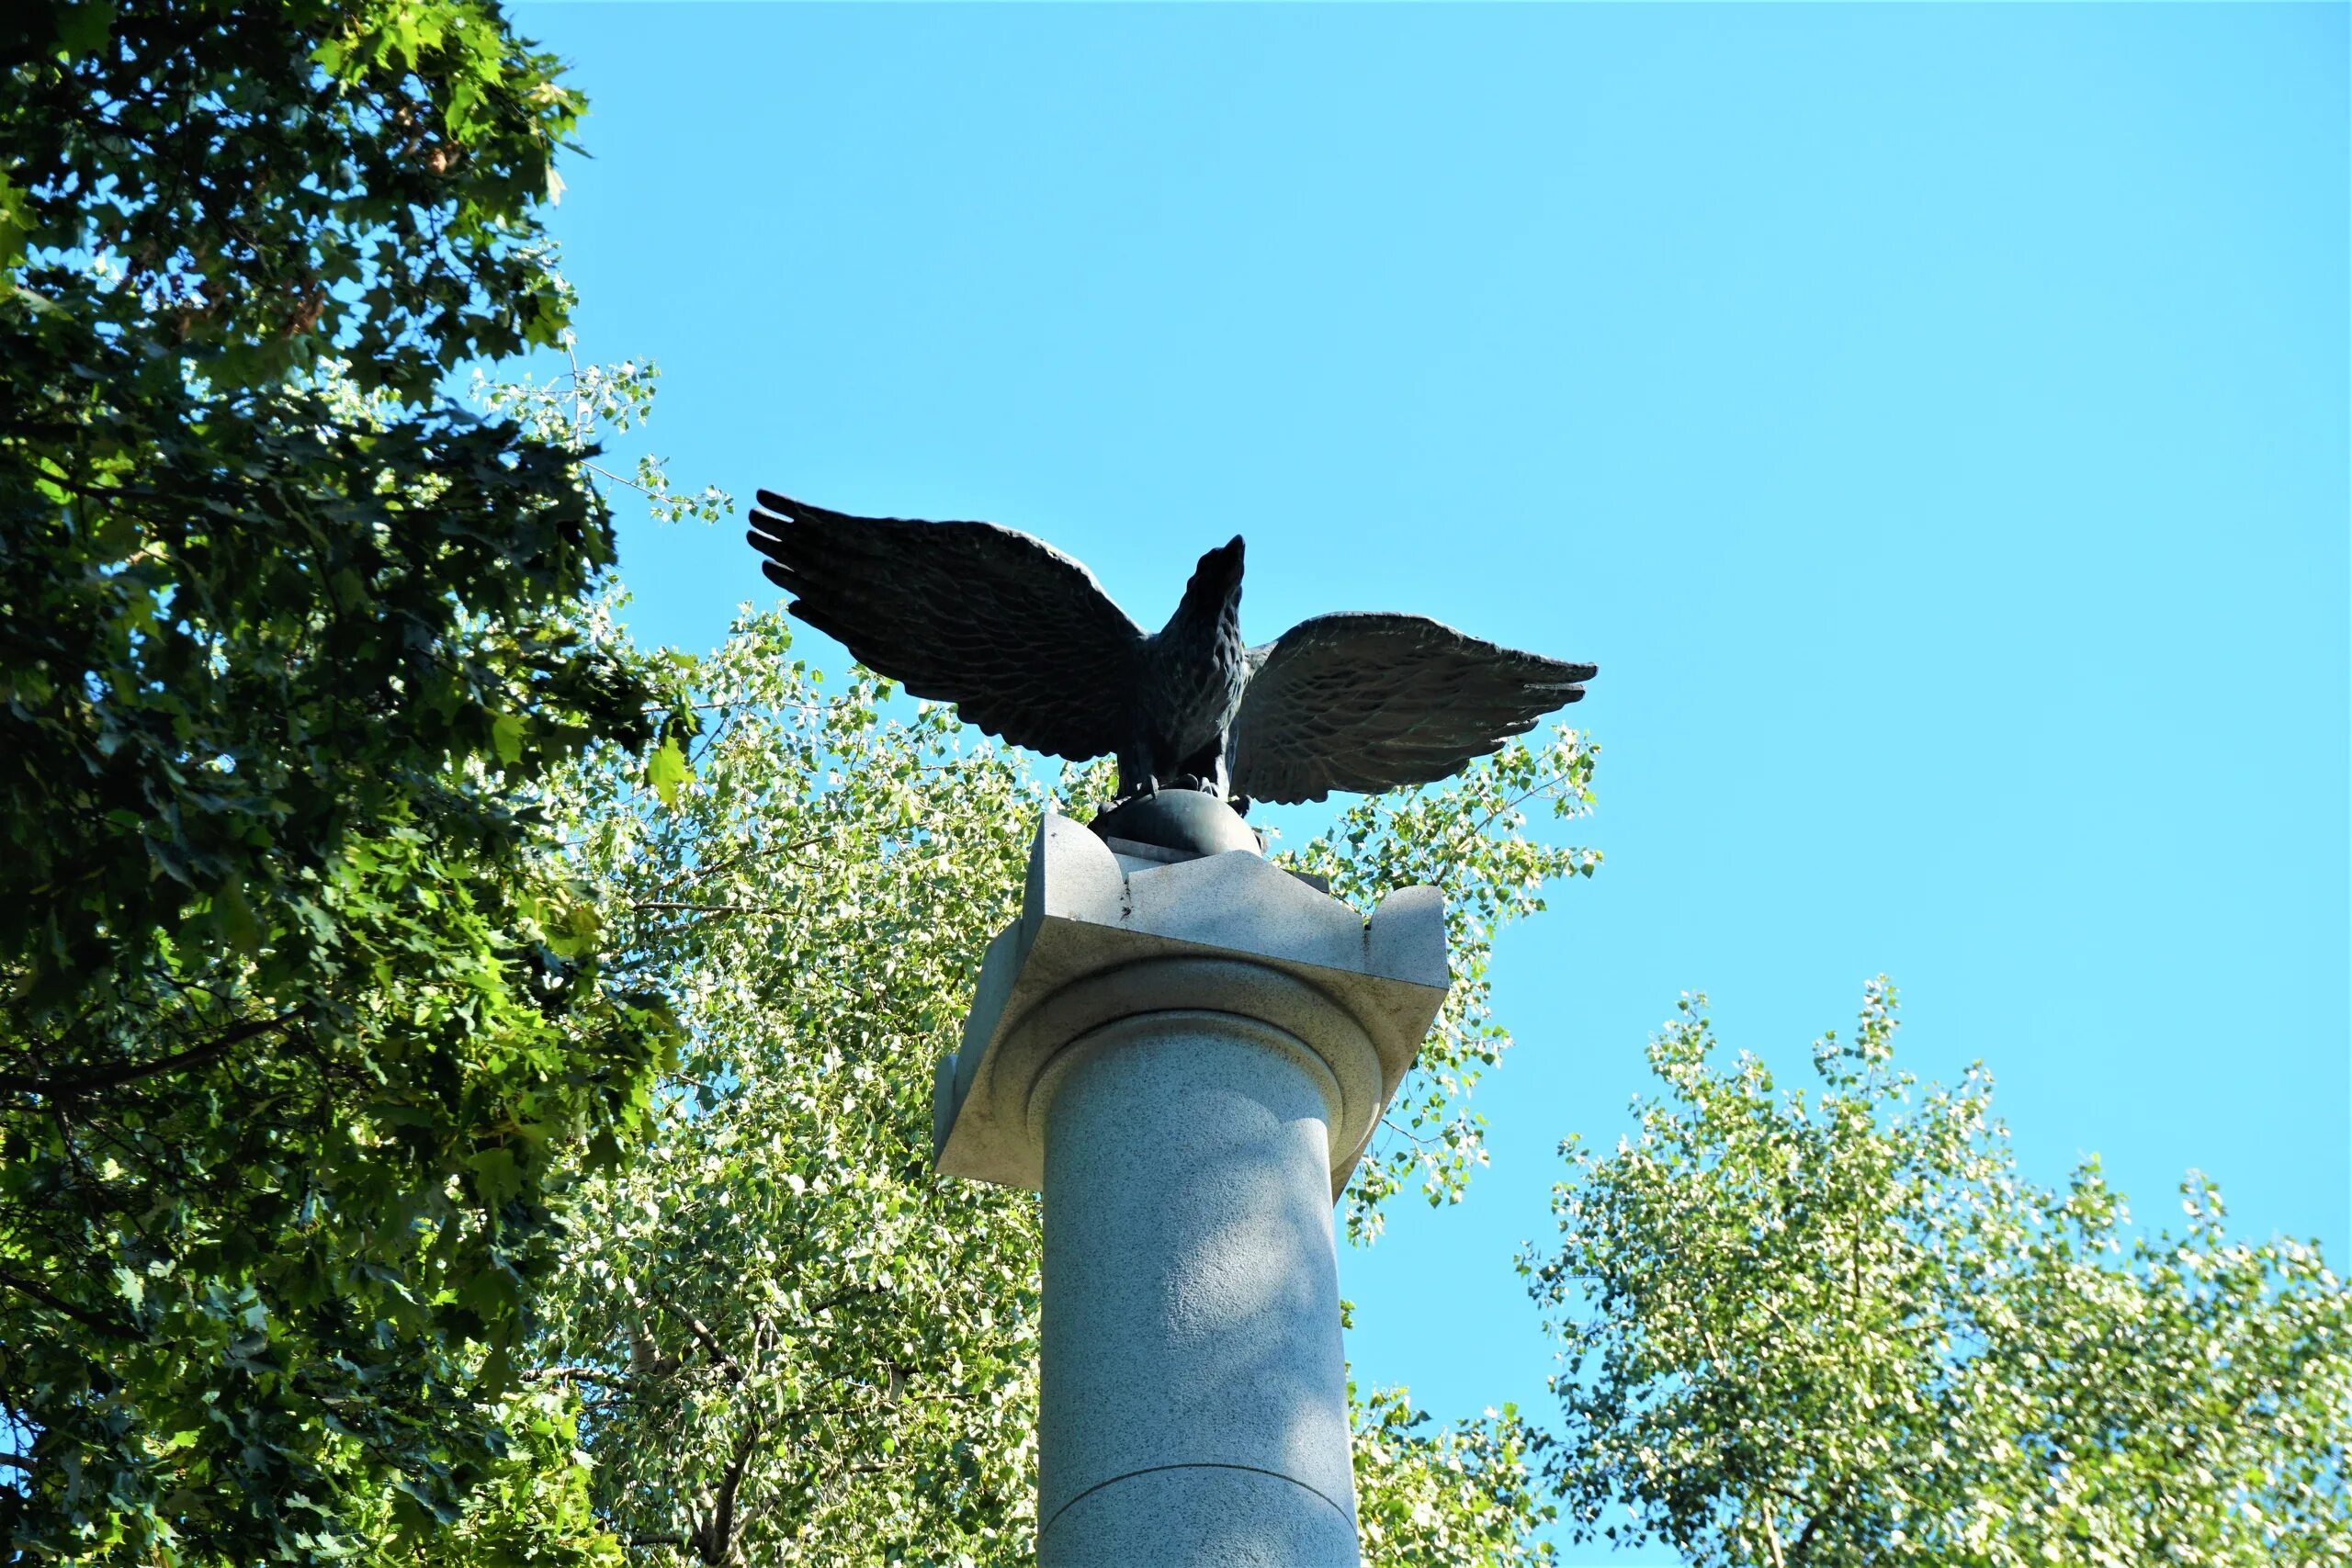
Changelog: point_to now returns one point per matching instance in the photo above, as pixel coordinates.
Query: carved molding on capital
(1105, 938)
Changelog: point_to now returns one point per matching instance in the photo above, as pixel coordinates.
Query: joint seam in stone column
(1192, 1465)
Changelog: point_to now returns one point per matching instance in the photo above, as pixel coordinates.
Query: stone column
(1187, 1053)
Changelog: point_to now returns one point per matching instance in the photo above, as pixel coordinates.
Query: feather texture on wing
(1017, 634)
(1370, 702)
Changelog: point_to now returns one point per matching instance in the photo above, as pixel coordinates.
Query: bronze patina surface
(1025, 643)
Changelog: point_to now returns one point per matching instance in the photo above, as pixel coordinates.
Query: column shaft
(1194, 1401)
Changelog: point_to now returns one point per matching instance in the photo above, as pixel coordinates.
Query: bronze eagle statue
(1026, 644)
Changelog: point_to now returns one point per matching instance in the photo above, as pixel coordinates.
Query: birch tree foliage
(1469, 1495)
(790, 1341)
(1467, 839)
(1838, 1328)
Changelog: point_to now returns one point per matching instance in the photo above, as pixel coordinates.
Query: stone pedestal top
(1104, 936)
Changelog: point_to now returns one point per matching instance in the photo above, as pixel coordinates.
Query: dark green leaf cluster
(302, 1017)
(531, 1508)
(1838, 1329)
(257, 186)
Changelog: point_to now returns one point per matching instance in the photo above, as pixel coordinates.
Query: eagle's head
(1215, 592)
(1219, 573)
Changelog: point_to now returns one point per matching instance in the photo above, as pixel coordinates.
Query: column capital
(1104, 936)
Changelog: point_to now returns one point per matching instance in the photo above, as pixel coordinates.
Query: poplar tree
(1837, 1328)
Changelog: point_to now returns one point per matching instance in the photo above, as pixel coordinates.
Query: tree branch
(715, 1542)
(95, 1322)
(91, 1079)
(708, 1340)
(577, 1374)
(670, 905)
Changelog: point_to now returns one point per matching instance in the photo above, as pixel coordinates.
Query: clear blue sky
(1933, 420)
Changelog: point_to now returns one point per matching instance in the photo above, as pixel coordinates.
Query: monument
(1183, 1047)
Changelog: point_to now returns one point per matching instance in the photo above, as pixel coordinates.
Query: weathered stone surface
(1187, 1058)
(1192, 1321)
(1201, 1519)
(1091, 917)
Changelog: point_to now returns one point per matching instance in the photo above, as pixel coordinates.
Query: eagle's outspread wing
(1018, 636)
(1370, 702)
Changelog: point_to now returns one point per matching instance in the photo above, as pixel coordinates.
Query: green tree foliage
(1838, 1329)
(1464, 1496)
(793, 1342)
(301, 1019)
(253, 186)
(531, 1508)
(311, 1033)
(1467, 839)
